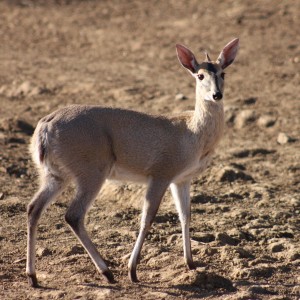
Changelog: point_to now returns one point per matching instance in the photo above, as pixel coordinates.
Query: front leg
(181, 196)
(155, 192)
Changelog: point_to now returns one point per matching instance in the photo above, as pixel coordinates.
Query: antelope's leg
(156, 190)
(181, 196)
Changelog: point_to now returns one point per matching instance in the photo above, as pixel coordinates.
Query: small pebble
(180, 97)
(266, 121)
(43, 252)
(283, 138)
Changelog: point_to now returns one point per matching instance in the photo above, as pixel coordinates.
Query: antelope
(88, 144)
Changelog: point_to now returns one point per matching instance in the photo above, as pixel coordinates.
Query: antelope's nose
(217, 96)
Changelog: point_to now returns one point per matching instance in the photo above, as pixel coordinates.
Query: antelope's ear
(228, 54)
(187, 58)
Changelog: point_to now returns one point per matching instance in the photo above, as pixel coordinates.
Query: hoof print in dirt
(245, 118)
(76, 250)
(230, 175)
(225, 239)
(206, 280)
(257, 272)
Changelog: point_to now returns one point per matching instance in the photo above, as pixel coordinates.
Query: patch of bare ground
(245, 207)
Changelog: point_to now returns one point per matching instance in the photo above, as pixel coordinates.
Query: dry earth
(245, 207)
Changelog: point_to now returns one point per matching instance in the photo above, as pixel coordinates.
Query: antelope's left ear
(228, 54)
(186, 58)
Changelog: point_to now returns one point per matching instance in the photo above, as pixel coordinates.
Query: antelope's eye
(201, 76)
(223, 75)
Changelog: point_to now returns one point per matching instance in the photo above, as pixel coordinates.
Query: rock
(266, 121)
(225, 239)
(244, 118)
(43, 252)
(180, 97)
(283, 138)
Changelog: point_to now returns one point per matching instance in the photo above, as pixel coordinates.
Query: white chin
(208, 98)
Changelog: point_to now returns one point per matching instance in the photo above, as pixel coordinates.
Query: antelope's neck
(208, 122)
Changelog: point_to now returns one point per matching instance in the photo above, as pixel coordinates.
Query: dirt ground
(245, 207)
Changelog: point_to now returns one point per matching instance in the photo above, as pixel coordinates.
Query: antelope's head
(209, 74)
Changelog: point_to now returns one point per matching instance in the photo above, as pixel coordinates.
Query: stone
(41, 252)
(283, 138)
(266, 121)
(180, 97)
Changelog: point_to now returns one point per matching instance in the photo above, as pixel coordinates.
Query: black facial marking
(217, 83)
(209, 67)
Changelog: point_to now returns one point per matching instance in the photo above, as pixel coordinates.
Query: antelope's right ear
(186, 58)
(228, 54)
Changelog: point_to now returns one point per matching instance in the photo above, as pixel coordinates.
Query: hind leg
(48, 191)
(88, 186)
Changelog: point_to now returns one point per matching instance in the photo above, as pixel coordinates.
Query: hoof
(109, 276)
(32, 281)
(132, 276)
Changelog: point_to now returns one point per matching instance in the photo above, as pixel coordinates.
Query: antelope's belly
(123, 174)
(194, 169)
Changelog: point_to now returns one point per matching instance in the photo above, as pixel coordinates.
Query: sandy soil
(245, 207)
